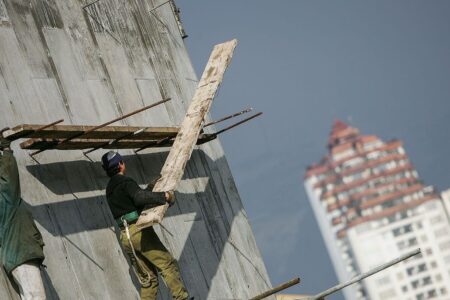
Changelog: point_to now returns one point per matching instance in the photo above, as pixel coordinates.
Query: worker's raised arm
(142, 197)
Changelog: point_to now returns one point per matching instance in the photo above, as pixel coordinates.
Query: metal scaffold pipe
(101, 126)
(277, 289)
(228, 117)
(365, 275)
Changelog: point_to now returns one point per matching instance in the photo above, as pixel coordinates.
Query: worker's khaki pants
(28, 278)
(155, 258)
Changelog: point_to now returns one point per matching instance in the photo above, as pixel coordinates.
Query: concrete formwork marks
(57, 62)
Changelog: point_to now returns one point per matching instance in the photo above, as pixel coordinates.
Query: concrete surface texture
(58, 60)
(291, 297)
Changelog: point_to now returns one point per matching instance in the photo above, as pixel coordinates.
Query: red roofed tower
(364, 189)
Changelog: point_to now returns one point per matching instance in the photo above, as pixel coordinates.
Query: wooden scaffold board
(124, 137)
(190, 129)
(108, 132)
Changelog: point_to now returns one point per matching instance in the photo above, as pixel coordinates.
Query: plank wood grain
(128, 143)
(190, 128)
(108, 132)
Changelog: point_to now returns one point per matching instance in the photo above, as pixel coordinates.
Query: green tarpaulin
(20, 240)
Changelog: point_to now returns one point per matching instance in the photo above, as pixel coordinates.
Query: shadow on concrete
(212, 208)
(48, 285)
(80, 176)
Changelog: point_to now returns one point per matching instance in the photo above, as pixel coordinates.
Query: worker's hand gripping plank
(187, 136)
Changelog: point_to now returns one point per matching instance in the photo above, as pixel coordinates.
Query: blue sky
(382, 66)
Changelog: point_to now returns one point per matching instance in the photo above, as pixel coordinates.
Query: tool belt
(130, 217)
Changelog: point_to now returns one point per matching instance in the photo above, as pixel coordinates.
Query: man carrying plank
(127, 201)
(147, 254)
(20, 241)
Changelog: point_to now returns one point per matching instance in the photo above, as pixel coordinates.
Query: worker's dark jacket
(20, 240)
(124, 196)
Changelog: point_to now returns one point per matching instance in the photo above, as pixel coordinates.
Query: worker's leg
(28, 278)
(150, 291)
(154, 251)
(146, 273)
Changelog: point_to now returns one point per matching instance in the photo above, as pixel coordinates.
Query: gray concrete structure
(58, 60)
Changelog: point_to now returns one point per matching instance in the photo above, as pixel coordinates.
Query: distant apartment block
(372, 207)
(446, 199)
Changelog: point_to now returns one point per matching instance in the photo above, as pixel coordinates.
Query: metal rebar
(112, 142)
(165, 26)
(35, 160)
(40, 129)
(48, 125)
(21, 136)
(228, 117)
(158, 6)
(238, 123)
(277, 289)
(104, 28)
(207, 137)
(153, 143)
(101, 126)
(89, 4)
(364, 275)
(85, 155)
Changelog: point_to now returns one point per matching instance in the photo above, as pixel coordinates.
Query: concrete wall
(89, 66)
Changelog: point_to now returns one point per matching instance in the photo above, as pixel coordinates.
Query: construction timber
(110, 137)
(89, 62)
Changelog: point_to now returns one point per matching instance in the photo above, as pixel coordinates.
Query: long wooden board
(108, 132)
(190, 128)
(79, 144)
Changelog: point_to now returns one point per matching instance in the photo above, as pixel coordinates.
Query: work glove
(170, 197)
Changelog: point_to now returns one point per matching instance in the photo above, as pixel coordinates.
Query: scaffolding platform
(59, 137)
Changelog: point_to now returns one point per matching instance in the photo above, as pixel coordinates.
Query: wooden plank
(190, 128)
(79, 144)
(108, 132)
(181, 151)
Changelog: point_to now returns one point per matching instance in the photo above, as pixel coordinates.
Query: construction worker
(20, 241)
(147, 254)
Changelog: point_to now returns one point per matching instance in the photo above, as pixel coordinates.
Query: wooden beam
(80, 144)
(108, 132)
(190, 129)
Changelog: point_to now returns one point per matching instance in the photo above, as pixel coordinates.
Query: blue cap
(111, 160)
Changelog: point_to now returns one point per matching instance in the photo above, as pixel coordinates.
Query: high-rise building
(372, 207)
(446, 199)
